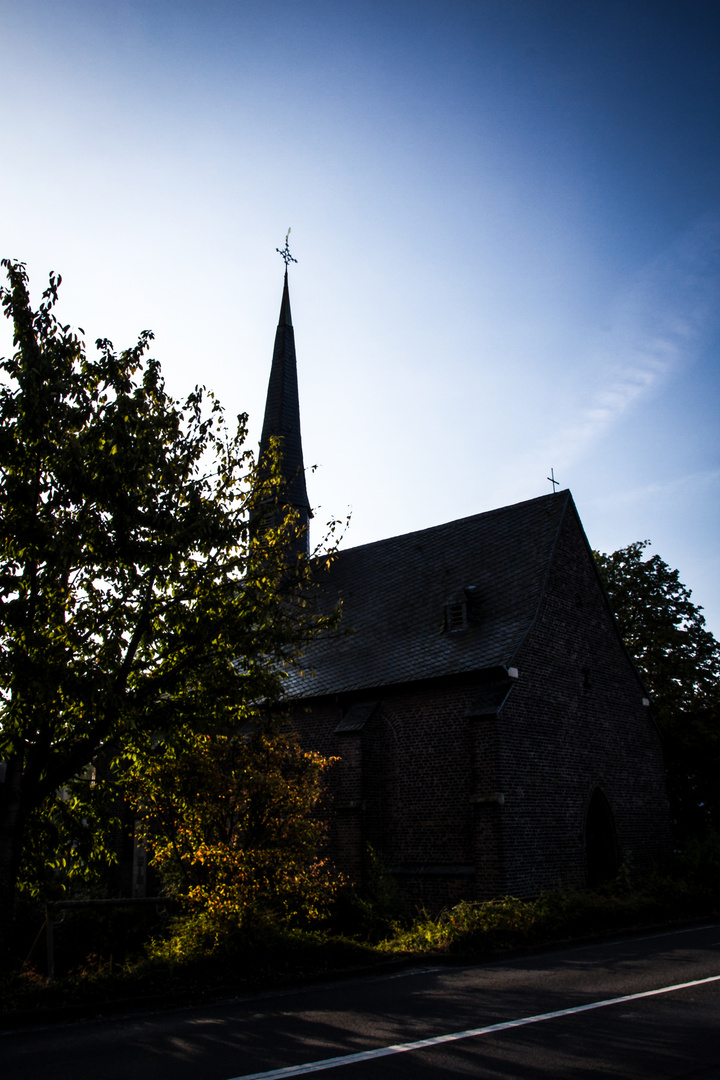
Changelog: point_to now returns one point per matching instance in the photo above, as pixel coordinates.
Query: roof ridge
(456, 521)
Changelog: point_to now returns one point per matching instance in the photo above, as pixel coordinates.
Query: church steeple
(282, 410)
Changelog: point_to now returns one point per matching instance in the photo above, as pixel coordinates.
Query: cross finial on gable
(552, 479)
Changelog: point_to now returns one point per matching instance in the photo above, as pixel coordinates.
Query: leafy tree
(133, 597)
(679, 660)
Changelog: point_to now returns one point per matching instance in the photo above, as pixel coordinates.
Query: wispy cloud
(691, 485)
(657, 327)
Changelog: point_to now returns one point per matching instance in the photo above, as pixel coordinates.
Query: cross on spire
(285, 252)
(552, 479)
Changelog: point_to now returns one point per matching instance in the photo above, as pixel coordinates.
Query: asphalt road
(668, 1026)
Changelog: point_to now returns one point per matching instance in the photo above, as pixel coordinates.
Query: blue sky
(506, 215)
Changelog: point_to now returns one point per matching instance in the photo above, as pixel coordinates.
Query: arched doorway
(600, 840)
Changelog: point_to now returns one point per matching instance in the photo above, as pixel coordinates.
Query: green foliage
(135, 599)
(663, 629)
(67, 841)
(200, 938)
(679, 660)
(472, 927)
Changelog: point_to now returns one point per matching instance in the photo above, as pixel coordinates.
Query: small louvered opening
(455, 617)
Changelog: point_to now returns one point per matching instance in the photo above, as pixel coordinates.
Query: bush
(375, 910)
(234, 824)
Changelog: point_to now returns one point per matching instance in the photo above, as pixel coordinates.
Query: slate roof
(394, 594)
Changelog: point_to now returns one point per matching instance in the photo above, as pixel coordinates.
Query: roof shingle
(394, 593)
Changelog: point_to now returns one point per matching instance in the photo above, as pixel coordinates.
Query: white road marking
(421, 1044)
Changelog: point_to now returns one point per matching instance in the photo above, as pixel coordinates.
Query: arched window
(600, 840)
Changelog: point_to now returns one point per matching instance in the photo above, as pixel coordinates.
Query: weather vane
(285, 252)
(552, 479)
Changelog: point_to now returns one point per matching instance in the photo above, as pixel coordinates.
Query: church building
(493, 734)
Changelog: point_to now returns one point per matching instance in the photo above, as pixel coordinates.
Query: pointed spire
(282, 412)
(285, 316)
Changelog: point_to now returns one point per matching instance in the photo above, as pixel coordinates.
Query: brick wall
(403, 785)
(575, 721)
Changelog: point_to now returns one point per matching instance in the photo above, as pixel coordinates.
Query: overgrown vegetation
(205, 954)
(691, 888)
